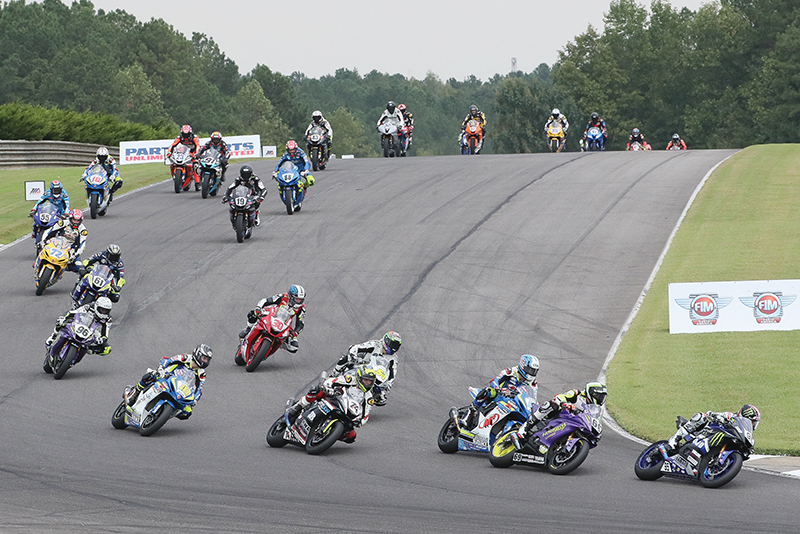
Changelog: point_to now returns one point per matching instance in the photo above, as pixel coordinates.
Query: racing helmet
(528, 368)
(316, 116)
(201, 355)
(56, 188)
(595, 117)
(102, 308)
(291, 147)
(390, 106)
(391, 342)
(297, 295)
(365, 378)
(401, 107)
(750, 412)
(676, 138)
(216, 138)
(102, 154)
(635, 132)
(186, 132)
(556, 113)
(246, 172)
(473, 110)
(113, 253)
(596, 393)
(75, 217)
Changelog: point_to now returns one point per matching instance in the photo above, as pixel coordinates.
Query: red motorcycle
(271, 332)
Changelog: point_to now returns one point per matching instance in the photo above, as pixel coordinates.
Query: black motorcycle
(317, 144)
(243, 205)
(210, 171)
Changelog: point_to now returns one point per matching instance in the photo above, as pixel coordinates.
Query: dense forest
(727, 75)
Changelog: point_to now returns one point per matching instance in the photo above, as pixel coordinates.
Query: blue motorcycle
(74, 341)
(290, 186)
(162, 400)
(45, 216)
(594, 139)
(210, 171)
(98, 190)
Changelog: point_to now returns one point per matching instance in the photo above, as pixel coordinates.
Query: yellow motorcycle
(555, 137)
(51, 262)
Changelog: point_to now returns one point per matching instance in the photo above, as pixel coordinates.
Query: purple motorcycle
(45, 216)
(73, 342)
(561, 446)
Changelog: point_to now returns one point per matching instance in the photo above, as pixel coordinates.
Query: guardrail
(48, 153)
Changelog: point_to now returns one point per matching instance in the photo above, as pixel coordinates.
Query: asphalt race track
(474, 260)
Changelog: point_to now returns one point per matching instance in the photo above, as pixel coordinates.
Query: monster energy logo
(716, 439)
(555, 429)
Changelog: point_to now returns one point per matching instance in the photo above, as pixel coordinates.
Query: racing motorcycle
(472, 138)
(594, 139)
(99, 282)
(317, 144)
(163, 399)
(377, 362)
(555, 136)
(95, 180)
(290, 187)
(181, 165)
(271, 332)
(72, 343)
(714, 455)
(390, 137)
(636, 145)
(243, 206)
(51, 262)
(511, 408)
(561, 445)
(210, 170)
(45, 216)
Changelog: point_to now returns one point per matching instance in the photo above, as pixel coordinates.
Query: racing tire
(560, 462)
(118, 419)
(501, 453)
(289, 201)
(448, 436)
(46, 365)
(239, 225)
(275, 433)
(473, 145)
(238, 360)
(44, 280)
(554, 144)
(177, 178)
(315, 158)
(386, 145)
(712, 475)
(205, 184)
(648, 464)
(316, 446)
(152, 423)
(259, 357)
(94, 205)
(64, 364)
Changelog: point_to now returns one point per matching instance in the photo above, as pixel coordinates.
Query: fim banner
(701, 307)
(242, 146)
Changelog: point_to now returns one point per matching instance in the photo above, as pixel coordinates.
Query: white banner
(34, 190)
(733, 306)
(242, 146)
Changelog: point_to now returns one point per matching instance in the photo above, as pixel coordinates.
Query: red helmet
(291, 146)
(216, 138)
(75, 217)
(186, 131)
(401, 107)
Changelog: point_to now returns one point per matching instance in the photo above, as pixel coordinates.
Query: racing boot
(469, 419)
(294, 411)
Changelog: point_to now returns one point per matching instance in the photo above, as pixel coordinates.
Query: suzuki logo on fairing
(490, 421)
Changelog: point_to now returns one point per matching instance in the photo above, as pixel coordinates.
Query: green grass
(742, 226)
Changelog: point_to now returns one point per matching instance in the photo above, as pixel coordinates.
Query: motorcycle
(162, 400)
(45, 216)
(555, 136)
(290, 187)
(322, 423)
(636, 145)
(561, 445)
(317, 144)
(95, 180)
(72, 344)
(99, 282)
(243, 207)
(271, 332)
(510, 409)
(210, 170)
(714, 455)
(181, 165)
(390, 138)
(51, 262)
(472, 138)
(376, 361)
(594, 139)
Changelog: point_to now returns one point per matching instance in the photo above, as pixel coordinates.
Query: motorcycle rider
(700, 420)
(593, 393)
(294, 299)
(111, 256)
(508, 380)
(637, 137)
(408, 118)
(473, 114)
(108, 163)
(197, 362)
(360, 354)
(101, 308)
(557, 116)
(596, 122)
(248, 179)
(676, 141)
(360, 385)
(220, 145)
(318, 120)
(296, 155)
(188, 138)
(70, 225)
(394, 114)
(57, 196)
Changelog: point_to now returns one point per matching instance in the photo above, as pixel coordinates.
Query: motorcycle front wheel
(315, 158)
(288, 199)
(501, 453)
(554, 144)
(386, 144)
(153, 422)
(239, 227)
(648, 465)
(473, 144)
(323, 435)
(94, 205)
(44, 280)
(714, 475)
(275, 433)
(206, 184)
(63, 365)
(266, 343)
(560, 461)
(177, 177)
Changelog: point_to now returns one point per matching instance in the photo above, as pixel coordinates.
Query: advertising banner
(701, 307)
(270, 151)
(34, 190)
(242, 146)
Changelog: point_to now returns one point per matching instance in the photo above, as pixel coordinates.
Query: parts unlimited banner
(242, 146)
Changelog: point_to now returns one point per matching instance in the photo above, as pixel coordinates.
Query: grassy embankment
(742, 226)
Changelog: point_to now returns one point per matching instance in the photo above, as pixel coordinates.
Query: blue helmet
(528, 368)
(297, 295)
(56, 188)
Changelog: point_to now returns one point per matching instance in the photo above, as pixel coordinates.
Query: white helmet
(316, 116)
(556, 112)
(102, 154)
(102, 308)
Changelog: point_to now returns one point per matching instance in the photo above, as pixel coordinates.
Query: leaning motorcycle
(555, 137)
(509, 409)
(210, 170)
(73, 342)
(181, 165)
(95, 180)
(472, 138)
(390, 137)
(594, 139)
(51, 262)
(714, 455)
(291, 187)
(99, 282)
(271, 332)
(243, 205)
(45, 216)
(636, 146)
(561, 445)
(317, 144)
(163, 399)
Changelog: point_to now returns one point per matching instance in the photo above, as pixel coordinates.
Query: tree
(254, 114)
(349, 135)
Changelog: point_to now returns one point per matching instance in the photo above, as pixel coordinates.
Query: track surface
(473, 260)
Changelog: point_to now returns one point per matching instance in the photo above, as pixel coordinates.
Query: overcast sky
(451, 38)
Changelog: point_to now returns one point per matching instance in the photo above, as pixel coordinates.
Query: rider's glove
(252, 316)
(225, 199)
(567, 406)
(149, 377)
(303, 173)
(274, 175)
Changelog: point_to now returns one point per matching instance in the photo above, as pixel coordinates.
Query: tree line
(726, 75)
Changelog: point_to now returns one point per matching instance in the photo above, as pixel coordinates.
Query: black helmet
(246, 172)
(595, 117)
(202, 355)
(390, 106)
(473, 110)
(113, 253)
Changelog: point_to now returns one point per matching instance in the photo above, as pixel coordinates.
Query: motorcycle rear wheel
(275, 434)
(118, 419)
(712, 475)
(152, 423)
(448, 435)
(239, 227)
(44, 280)
(319, 442)
(62, 366)
(94, 205)
(501, 454)
(559, 461)
(46, 365)
(648, 465)
(178, 179)
(238, 358)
